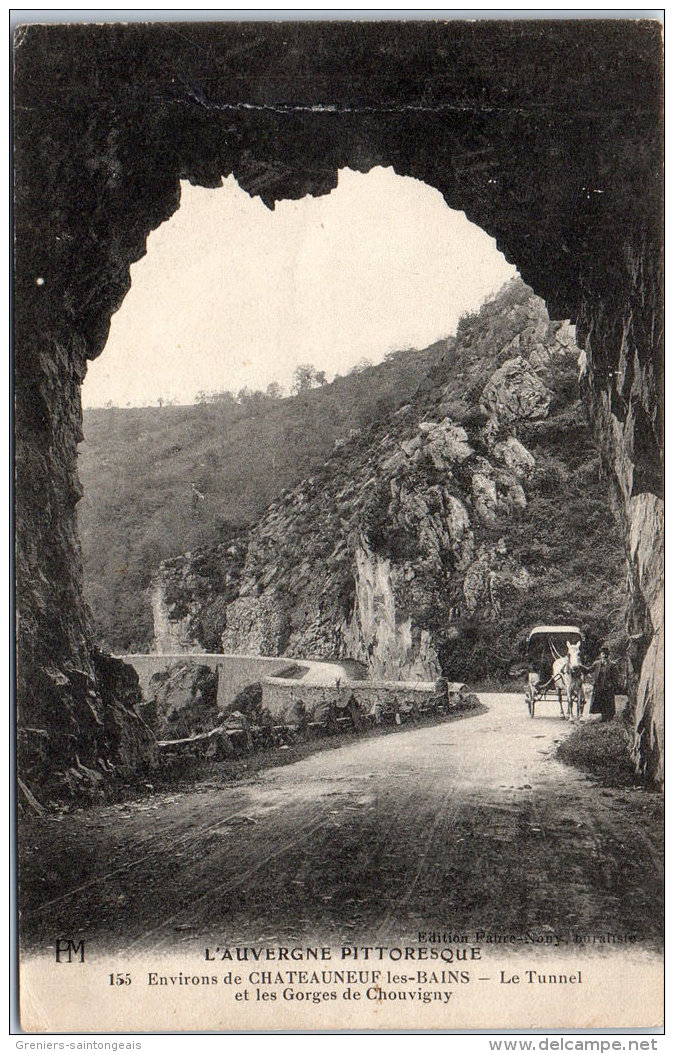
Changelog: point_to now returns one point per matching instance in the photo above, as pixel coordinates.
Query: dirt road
(470, 824)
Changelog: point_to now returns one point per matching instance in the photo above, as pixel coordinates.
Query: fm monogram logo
(69, 951)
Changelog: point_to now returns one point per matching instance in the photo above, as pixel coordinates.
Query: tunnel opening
(208, 413)
(234, 311)
(568, 182)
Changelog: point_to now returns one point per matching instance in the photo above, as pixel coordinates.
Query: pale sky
(231, 294)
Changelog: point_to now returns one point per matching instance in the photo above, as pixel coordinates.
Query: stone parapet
(298, 704)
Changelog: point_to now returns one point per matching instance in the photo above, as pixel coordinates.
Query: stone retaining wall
(296, 704)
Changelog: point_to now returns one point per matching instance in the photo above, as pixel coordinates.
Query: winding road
(464, 825)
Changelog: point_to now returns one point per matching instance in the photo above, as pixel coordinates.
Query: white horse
(567, 673)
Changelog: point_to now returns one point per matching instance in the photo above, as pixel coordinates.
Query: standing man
(605, 686)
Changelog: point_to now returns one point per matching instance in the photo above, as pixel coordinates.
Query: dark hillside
(141, 470)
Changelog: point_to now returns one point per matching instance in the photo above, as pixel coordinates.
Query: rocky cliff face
(625, 396)
(181, 700)
(79, 726)
(378, 634)
(409, 538)
(82, 729)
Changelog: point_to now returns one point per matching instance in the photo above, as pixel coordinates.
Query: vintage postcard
(339, 524)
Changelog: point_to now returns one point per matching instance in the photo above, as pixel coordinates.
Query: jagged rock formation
(491, 578)
(182, 700)
(402, 544)
(171, 634)
(632, 465)
(256, 625)
(557, 159)
(377, 634)
(190, 600)
(83, 727)
(516, 392)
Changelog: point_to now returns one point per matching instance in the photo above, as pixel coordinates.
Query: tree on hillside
(275, 390)
(224, 397)
(306, 377)
(253, 401)
(216, 396)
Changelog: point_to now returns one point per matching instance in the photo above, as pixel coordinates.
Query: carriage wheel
(531, 700)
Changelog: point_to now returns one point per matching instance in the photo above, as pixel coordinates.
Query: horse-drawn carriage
(555, 668)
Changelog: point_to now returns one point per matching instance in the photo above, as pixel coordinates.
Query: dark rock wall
(546, 134)
(624, 342)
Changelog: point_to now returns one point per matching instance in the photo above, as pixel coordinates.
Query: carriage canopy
(546, 643)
